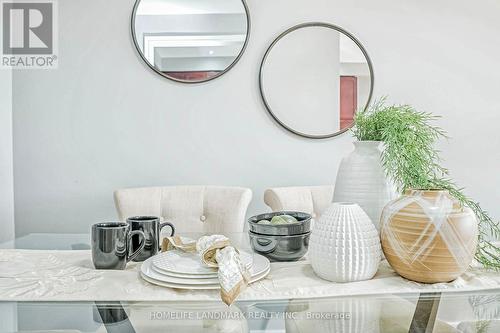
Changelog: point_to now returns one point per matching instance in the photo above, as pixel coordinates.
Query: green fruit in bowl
(283, 219)
(263, 222)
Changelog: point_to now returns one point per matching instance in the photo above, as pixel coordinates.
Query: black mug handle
(141, 244)
(165, 224)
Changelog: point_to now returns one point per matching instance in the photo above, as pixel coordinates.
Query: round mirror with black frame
(190, 41)
(314, 77)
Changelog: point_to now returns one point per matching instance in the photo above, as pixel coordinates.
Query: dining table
(48, 283)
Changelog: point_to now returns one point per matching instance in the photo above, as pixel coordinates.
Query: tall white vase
(362, 180)
(344, 244)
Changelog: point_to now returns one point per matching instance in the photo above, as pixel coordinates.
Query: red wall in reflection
(192, 76)
(348, 100)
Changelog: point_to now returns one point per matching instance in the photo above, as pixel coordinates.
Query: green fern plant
(411, 160)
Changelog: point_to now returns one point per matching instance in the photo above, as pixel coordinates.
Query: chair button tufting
(203, 218)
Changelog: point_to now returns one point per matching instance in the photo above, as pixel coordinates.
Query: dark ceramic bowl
(301, 227)
(280, 248)
(280, 242)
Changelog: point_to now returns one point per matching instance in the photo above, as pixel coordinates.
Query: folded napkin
(216, 251)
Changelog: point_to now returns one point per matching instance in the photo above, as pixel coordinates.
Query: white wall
(6, 158)
(103, 120)
(302, 85)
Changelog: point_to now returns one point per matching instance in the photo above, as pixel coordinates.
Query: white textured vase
(362, 180)
(344, 244)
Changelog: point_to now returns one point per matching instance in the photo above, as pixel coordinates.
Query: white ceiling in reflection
(187, 7)
(350, 51)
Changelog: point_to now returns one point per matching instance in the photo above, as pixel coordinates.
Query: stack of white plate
(184, 270)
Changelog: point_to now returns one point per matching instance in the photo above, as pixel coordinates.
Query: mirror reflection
(190, 40)
(327, 76)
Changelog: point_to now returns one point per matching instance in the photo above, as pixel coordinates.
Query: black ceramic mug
(110, 245)
(151, 227)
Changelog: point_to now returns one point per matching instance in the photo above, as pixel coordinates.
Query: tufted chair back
(308, 199)
(206, 209)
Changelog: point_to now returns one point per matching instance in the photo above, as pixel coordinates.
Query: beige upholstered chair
(204, 209)
(308, 199)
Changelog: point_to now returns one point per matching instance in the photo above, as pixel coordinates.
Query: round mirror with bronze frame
(190, 41)
(313, 78)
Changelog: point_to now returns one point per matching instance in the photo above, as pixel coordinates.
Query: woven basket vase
(344, 244)
(427, 236)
